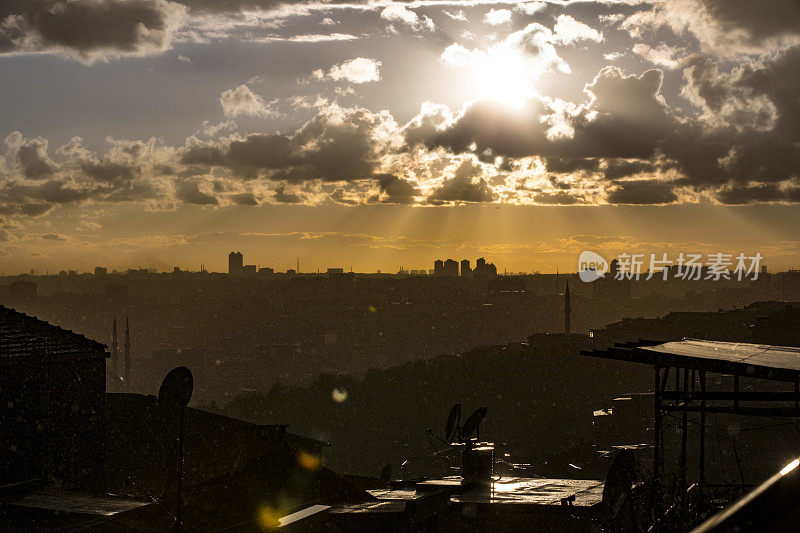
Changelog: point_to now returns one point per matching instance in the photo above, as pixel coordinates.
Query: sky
(375, 135)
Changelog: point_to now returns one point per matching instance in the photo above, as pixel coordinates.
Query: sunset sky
(375, 135)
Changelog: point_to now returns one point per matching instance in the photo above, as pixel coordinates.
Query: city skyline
(378, 134)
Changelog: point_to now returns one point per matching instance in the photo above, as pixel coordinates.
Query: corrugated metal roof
(734, 358)
(23, 336)
(764, 355)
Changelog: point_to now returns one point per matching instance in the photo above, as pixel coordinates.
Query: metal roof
(734, 358)
(23, 336)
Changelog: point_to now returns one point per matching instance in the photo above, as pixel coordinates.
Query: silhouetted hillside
(539, 402)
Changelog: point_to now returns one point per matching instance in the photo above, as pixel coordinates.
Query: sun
(504, 76)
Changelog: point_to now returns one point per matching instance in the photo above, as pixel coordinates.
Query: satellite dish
(453, 420)
(473, 421)
(386, 474)
(176, 390)
(173, 397)
(619, 483)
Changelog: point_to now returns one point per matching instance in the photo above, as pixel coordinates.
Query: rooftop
(23, 336)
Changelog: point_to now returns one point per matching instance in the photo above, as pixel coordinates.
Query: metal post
(179, 504)
(656, 493)
(684, 434)
(702, 428)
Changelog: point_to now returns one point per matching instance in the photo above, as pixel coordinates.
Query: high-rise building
(466, 269)
(438, 267)
(235, 263)
(451, 268)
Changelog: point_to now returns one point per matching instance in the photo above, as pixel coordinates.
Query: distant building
(451, 268)
(483, 270)
(438, 267)
(248, 270)
(466, 269)
(100, 271)
(52, 394)
(266, 270)
(235, 263)
(334, 271)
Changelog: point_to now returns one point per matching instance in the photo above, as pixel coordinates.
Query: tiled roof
(23, 336)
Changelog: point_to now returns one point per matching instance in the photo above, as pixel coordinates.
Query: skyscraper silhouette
(235, 263)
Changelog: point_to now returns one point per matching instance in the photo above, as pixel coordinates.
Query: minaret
(127, 355)
(114, 351)
(566, 310)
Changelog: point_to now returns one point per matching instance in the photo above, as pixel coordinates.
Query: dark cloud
(641, 192)
(756, 22)
(763, 192)
(88, 29)
(33, 160)
(751, 123)
(336, 145)
(284, 197)
(570, 164)
(245, 198)
(464, 186)
(189, 192)
(623, 168)
(625, 117)
(558, 198)
(339, 195)
(724, 27)
(53, 237)
(398, 190)
(109, 172)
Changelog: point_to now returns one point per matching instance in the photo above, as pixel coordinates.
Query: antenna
(472, 425)
(173, 397)
(298, 264)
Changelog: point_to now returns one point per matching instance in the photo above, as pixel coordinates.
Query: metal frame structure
(690, 393)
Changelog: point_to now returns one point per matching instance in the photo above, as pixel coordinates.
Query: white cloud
(358, 70)
(530, 8)
(185, 59)
(210, 129)
(242, 102)
(309, 38)
(457, 56)
(496, 17)
(397, 13)
(662, 55)
(568, 30)
(456, 15)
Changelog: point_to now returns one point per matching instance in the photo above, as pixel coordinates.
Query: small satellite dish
(176, 390)
(473, 421)
(386, 474)
(453, 421)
